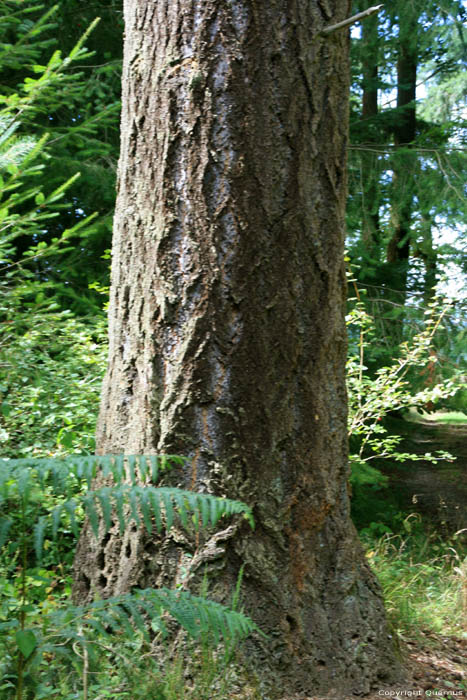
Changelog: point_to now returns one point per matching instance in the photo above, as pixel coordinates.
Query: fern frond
(5, 525)
(197, 616)
(70, 508)
(39, 530)
(120, 468)
(163, 504)
(104, 498)
(91, 511)
(133, 493)
(156, 506)
(131, 606)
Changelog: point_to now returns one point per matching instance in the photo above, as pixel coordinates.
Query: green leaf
(39, 529)
(26, 641)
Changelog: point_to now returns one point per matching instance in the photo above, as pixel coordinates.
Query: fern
(85, 468)
(156, 506)
(73, 627)
(128, 495)
(198, 616)
(13, 149)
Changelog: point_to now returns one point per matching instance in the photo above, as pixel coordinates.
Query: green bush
(51, 367)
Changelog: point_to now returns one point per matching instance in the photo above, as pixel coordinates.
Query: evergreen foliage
(47, 101)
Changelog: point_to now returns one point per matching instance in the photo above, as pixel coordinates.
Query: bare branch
(350, 20)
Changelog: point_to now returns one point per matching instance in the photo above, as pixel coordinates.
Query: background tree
(49, 359)
(407, 164)
(227, 336)
(79, 114)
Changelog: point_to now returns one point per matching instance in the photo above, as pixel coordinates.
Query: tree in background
(78, 114)
(407, 165)
(49, 360)
(227, 335)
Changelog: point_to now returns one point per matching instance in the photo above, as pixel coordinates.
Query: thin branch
(350, 20)
(390, 148)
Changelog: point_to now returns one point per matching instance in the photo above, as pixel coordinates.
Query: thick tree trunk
(227, 336)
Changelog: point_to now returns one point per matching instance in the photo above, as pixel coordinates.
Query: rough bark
(227, 336)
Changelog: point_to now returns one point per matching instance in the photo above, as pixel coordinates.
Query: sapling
(372, 397)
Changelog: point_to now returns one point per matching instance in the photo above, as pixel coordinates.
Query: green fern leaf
(168, 507)
(119, 501)
(91, 512)
(23, 481)
(181, 502)
(205, 511)
(131, 470)
(108, 467)
(215, 511)
(119, 468)
(5, 524)
(56, 513)
(70, 507)
(154, 466)
(132, 494)
(96, 624)
(141, 468)
(155, 503)
(39, 530)
(130, 604)
(145, 506)
(103, 496)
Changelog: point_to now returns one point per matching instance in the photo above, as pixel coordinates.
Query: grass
(445, 417)
(424, 581)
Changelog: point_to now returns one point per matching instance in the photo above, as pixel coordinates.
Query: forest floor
(436, 667)
(437, 491)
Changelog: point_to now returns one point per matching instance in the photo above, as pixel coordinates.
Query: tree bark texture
(227, 335)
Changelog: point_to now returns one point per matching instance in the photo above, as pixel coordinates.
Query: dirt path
(438, 491)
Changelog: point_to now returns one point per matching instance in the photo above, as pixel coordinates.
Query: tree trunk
(227, 335)
(371, 234)
(403, 164)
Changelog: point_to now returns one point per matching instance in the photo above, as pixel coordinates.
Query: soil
(438, 491)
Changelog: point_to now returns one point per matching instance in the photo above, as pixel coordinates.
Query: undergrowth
(50, 648)
(423, 577)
